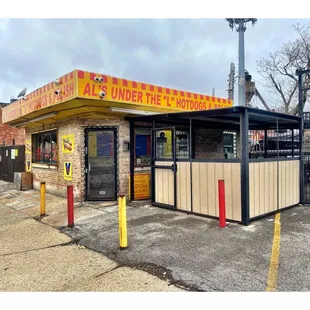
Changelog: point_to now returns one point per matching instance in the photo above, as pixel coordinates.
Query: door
(164, 168)
(12, 159)
(101, 164)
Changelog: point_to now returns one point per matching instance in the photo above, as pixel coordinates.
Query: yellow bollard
(42, 198)
(122, 221)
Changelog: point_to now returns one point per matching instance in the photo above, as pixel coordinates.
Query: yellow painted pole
(42, 198)
(122, 221)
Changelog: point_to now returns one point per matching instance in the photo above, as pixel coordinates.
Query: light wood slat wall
(263, 187)
(288, 183)
(164, 184)
(270, 182)
(205, 188)
(183, 186)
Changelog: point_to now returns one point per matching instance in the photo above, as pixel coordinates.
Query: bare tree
(279, 69)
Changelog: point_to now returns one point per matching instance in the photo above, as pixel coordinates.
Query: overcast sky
(187, 54)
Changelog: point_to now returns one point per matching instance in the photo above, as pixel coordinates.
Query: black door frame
(172, 167)
(95, 129)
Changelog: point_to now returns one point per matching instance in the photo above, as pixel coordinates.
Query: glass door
(101, 164)
(164, 168)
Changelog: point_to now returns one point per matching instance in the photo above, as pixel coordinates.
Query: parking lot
(187, 251)
(193, 251)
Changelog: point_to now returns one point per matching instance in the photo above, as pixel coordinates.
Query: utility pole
(239, 25)
(231, 82)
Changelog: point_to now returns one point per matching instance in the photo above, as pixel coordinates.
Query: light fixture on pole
(239, 25)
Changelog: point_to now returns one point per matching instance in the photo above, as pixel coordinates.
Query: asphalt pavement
(167, 250)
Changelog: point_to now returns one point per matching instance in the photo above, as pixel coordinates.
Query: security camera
(57, 92)
(102, 94)
(96, 79)
(101, 79)
(57, 82)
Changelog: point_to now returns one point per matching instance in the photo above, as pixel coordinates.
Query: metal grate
(307, 120)
(273, 143)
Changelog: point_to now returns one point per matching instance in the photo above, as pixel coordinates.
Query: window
(229, 141)
(44, 147)
(182, 144)
(143, 147)
(164, 144)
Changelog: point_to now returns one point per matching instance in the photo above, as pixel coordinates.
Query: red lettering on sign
(114, 93)
(134, 96)
(94, 90)
(121, 94)
(139, 100)
(128, 95)
(86, 90)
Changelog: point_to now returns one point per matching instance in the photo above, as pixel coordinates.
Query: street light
(239, 25)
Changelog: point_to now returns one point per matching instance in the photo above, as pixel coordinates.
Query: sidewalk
(36, 257)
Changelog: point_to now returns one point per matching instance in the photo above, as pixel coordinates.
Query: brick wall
(54, 178)
(209, 143)
(8, 133)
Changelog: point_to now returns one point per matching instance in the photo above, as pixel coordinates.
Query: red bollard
(222, 204)
(70, 206)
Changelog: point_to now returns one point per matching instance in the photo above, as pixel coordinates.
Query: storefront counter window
(164, 144)
(44, 147)
(143, 147)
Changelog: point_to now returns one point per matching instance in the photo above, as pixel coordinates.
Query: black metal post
(300, 105)
(245, 195)
(301, 159)
(153, 143)
(265, 143)
(293, 147)
(174, 150)
(300, 74)
(132, 159)
(278, 166)
(191, 161)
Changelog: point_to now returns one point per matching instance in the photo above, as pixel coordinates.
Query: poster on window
(28, 165)
(105, 144)
(67, 143)
(28, 146)
(68, 170)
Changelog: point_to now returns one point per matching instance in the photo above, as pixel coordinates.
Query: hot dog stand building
(107, 136)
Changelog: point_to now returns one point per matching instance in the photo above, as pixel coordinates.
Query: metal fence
(272, 143)
(12, 159)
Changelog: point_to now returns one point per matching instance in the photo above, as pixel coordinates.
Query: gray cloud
(188, 54)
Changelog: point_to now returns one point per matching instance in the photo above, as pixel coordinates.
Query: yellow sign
(68, 170)
(67, 143)
(16, 152)
(28, 165)
(142, 186)
(108, 88)
(43, 97)
(92, 144)
(28, 146)
(101, 87)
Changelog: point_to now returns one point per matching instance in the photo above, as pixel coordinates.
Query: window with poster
(164, 144)
(44, 147)
(143, 147)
